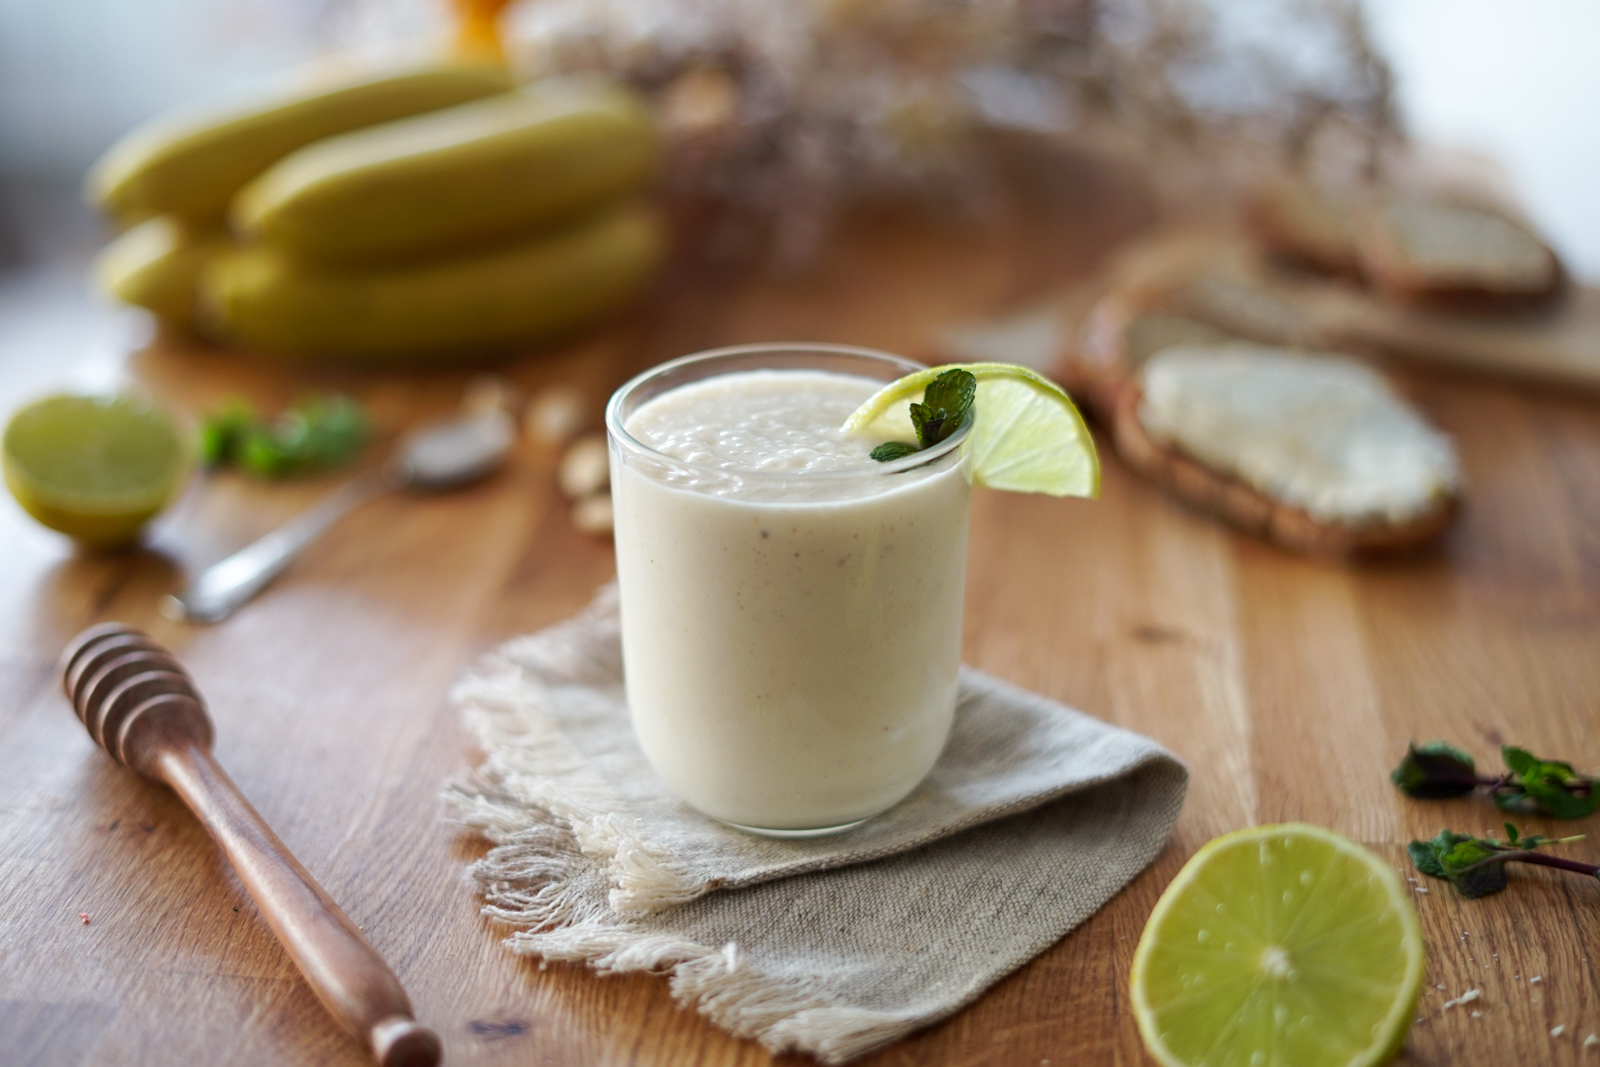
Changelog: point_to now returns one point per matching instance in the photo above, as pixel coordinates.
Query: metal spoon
(440, 456)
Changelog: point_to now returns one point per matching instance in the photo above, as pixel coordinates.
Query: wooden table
(1289, 686)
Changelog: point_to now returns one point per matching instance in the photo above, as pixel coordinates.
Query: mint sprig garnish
(1476, 866)
(1437, 770)
(945, 403)
(944, 407)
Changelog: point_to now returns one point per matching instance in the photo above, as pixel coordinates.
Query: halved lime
(1279, 946)
(96, 468)
(1027, 436)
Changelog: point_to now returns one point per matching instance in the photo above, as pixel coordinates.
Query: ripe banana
(437, 311)
(190, 163)
(156, 264)
(461, 177)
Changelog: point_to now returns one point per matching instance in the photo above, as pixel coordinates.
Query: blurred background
(1516, 83)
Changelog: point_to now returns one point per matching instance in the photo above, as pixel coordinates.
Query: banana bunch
(408, 216)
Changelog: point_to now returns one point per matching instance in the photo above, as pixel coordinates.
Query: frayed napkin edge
(555, 920)
(558, 921)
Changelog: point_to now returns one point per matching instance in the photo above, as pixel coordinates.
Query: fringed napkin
(1034, 817)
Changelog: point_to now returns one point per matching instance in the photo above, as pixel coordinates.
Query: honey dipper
(139, 704)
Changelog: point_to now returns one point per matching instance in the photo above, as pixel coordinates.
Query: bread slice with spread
(1457, 254)
(1313, 451)
(1215, 391)
(1416, 247)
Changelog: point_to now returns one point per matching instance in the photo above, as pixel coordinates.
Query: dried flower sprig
(1438, 770)
(780, 115)
(1476, 866)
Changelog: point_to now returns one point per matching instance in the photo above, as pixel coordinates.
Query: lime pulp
(1279, 946)
(95, 468)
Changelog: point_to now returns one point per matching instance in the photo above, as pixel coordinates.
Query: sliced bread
(1312, 451)
(1466, 256)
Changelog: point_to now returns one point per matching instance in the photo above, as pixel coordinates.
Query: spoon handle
(222, 588)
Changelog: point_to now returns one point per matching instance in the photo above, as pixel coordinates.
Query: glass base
(822, 831)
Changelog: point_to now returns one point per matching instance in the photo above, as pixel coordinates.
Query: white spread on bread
(1452, 244)
(1318, 432)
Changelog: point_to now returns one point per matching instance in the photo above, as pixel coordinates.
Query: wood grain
(1289, 686)
(139, 704)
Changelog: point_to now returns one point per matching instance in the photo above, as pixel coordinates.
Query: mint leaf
(893, 450)
(316, 433)
(945, 404)
(1556, 797)
(1545, 785)
(1476, 866)
(1422, 856)
(1473, 865)
(1518, 760)
(1434, 771)
(944, 407)
(223, 432)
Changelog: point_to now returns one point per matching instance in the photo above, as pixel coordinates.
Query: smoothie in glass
(791, 608)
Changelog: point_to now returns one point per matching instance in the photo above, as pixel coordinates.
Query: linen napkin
(1034, 816)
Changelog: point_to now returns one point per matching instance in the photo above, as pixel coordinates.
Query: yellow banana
(434, 312)
(457, 178)
(190, 163)
(156, 264)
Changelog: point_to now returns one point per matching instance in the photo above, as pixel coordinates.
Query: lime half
(1280, 946)
(95, 468)
(1027, 436)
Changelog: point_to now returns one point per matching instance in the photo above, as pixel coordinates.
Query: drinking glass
(790, 639)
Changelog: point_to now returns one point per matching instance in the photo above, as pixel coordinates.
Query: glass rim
(617, 432)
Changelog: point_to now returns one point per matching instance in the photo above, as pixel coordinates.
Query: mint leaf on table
(1424, 858)
(1476, 866)
(1462, 861)
(1545, 785)
(222, 432)
(316, 433)
(1435, 770)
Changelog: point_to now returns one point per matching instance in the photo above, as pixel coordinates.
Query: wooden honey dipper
(139, 704)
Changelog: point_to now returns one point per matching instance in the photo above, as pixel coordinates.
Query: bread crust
(1246, 508)
(1098, 365)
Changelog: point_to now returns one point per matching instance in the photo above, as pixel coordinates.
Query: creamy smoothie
(791, 609)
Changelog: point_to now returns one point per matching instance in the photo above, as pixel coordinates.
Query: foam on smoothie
(764, 421)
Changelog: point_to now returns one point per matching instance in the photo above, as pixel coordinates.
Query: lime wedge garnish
(95, 468)
(1027, 436)
(1280, 946)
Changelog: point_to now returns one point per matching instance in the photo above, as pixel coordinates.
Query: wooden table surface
(1289, 686)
